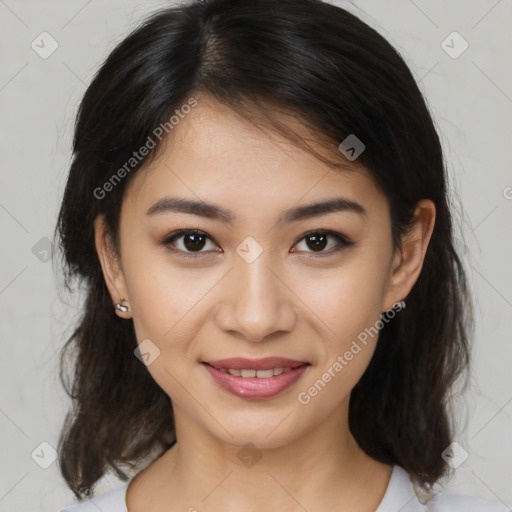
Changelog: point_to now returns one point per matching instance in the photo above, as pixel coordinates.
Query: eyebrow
(212, 211)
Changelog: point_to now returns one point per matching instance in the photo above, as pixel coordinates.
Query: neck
(321, 470)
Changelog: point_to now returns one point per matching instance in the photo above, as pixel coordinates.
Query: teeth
(261, 374)
(264, 374)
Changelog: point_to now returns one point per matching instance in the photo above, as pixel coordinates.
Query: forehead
(214, 154)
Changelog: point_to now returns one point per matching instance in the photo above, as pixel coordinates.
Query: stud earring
(121, 307)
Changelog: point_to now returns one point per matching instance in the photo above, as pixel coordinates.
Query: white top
(399, 496)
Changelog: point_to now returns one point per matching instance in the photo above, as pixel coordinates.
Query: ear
(408, 262)
(111, 266)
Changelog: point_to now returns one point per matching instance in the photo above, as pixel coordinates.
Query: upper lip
(241, 363)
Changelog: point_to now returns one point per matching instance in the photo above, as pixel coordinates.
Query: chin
(266, 432)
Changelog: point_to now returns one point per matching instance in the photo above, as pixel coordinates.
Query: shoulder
(401, 495)
(448, 502)
(111, 501)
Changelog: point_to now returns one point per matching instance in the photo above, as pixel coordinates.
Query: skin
(289, 302)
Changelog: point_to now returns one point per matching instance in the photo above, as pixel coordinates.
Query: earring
(121, 307)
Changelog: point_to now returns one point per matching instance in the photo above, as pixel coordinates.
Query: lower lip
(254, 387)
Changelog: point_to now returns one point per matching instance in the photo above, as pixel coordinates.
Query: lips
(256, 378)
(266, 363)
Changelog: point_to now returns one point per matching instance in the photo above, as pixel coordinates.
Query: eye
(193, 241)
(318, 241)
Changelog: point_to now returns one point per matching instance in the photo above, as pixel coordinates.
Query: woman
(275, 313)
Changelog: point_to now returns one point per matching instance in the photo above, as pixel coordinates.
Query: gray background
(470, 97)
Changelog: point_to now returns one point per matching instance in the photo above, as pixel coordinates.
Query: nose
(256, 304)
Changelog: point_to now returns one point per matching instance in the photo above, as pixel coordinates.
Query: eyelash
(343, 242)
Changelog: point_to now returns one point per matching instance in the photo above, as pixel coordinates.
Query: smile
(256, 384)
(260, 374)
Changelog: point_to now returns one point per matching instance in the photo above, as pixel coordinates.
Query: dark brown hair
(339, 77)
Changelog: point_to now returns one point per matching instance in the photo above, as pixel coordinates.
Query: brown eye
(317, 241)
(188, 241)
(193, 241)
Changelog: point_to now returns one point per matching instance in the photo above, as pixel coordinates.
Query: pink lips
(255, 387)
(255, 364)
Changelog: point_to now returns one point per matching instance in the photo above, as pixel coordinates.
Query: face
(256, 282)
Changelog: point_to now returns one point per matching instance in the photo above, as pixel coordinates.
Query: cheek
(349, 307)
(166, 310)
(159, 293)
(163, 303)
(167, 299)
(348, 298)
